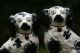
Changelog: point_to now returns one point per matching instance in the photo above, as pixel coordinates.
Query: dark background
(9, 7)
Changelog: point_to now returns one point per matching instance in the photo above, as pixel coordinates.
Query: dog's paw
(77, 44)
(4, 51)
(31, 48)
(54, 46)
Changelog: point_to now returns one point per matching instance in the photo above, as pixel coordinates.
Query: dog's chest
(57, 34)
(20, 44)
(63, 39)
(54, 34)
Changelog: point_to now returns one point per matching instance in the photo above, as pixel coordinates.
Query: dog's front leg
(32, 48)
(77, 46)
(4, 50)
(54, 46)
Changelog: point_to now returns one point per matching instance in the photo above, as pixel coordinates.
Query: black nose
(25, 26)
(58, 18)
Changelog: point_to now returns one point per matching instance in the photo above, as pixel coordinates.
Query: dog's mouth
(25, 32)
(58, 21)
(25, 27)
(56, 24)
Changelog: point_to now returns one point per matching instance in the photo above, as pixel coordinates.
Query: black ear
(69, 18)
(34, 17)
(11, 25)
(46, 11)
(35, 25)
(46, 18)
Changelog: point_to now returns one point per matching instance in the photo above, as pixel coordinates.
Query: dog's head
(21, 22)
(60, 16)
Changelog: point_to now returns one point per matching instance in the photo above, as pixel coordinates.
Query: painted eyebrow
(21, 14)
(62, 10)
(56, 7)
(28, 18)
(52, 10)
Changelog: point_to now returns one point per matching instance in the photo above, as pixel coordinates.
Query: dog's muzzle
(25, 26)
(58, 18)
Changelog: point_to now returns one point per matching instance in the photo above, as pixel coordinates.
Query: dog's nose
(25, 26)
(58, 18)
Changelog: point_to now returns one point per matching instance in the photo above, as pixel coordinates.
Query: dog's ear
(11, 24)
(34, 17)
(35, 25)
(46, 19)
(69, 18)
(11, 19)
(45, 11)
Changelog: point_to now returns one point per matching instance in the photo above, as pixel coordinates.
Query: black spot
(66, 34)
(12, 27)
(21, 14)
(54, 46)
(57, 7)
(31, 48)
(18, 43)
(77, 45)
(4, 51)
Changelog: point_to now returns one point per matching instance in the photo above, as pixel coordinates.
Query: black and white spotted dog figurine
(22, 38)
(59, 38)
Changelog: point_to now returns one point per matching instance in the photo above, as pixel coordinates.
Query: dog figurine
(22, 38)
(59, 38)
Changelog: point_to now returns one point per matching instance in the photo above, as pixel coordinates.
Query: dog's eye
(29, 20)
(53, 12)
(19, 20)
(63, 12)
